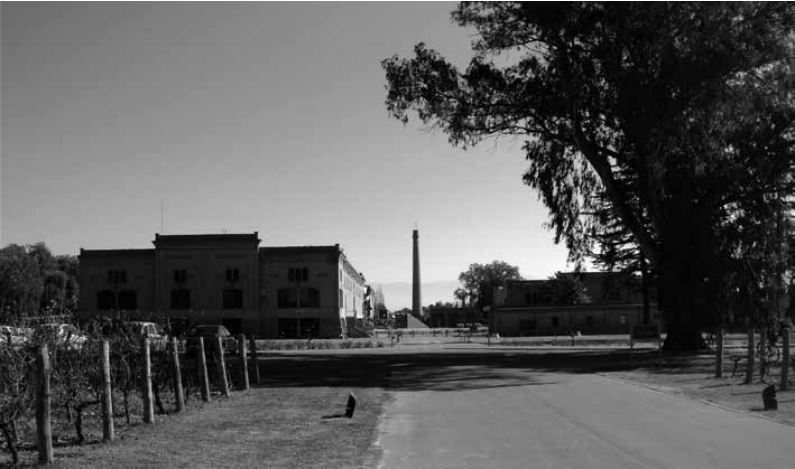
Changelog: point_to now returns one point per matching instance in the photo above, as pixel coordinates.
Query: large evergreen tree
(674, 118)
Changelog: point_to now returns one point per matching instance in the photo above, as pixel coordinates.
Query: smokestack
(416, 297)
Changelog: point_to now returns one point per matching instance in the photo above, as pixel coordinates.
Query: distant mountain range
(397, 295)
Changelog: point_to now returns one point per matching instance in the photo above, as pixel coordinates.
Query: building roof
(300, 249)
(174, 240)
(88, 253)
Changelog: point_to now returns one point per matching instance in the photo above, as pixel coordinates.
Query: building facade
(613, 303)
(273, 292)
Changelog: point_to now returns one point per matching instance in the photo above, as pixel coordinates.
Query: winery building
(273, 292)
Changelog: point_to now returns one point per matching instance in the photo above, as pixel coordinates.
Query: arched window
(128, 299)
(106, 299)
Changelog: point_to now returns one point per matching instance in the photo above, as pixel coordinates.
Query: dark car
(210, 332)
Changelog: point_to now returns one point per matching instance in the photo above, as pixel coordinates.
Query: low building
(444, 316)
(613, 303)
(289, 292)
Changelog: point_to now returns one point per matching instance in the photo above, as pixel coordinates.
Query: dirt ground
(692, 375)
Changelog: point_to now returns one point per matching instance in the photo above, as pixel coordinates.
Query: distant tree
(379, 303)
(461, 295)
(564, 288)
(70, 266)
(480, 280)
(32, 280)
(21, 283)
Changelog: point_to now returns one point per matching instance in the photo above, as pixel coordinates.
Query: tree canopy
(479, 280)
(32, 280)
(669, 121)
(564, 288)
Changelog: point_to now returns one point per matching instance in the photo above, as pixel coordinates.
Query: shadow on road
(439, 371)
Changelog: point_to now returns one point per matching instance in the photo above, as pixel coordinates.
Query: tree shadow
(438, 370)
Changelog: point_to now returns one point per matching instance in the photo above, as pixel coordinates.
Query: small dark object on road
(351, 406)
(769, 397)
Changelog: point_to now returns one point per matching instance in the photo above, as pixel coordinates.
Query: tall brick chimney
(416, 296)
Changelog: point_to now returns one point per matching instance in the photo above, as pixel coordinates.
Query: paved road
(556, 420)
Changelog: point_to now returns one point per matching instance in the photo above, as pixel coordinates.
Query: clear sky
(264, 117)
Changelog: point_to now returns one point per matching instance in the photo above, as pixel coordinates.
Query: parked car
(157, 340)
(209, 332)
(60, 335)
(16, 337)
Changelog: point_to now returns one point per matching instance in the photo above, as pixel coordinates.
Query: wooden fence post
(179, 394)
(107, 395)
(149, 408)
(719, 353)
(785, 358)
(241, 344)
(749, 369)
(254, 360)
(43, 396)
(222, 367)
(205, 379)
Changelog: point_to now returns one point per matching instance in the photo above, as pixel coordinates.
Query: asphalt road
(561, 420)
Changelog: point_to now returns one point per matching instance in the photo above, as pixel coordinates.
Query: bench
(645, 333)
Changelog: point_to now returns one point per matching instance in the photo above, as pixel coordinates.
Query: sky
(245, 117)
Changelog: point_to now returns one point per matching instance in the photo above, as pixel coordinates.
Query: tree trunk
(644, 277)
(161, 410)
(679, 291)
(11, 442)
(79, 425)
(762, 354)
(719, 353)
(127, 405)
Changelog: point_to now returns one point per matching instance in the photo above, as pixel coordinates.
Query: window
(622, 319)
(528, 299)
(128, 299)
(589, 321)
(287, 298)
(232, 274)
(555, 321)
(180, 299)
(106, 300)
(342, 305)
(310, 297)
(298, 274)
(117, 276)
(233, 298)
(180, 276)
